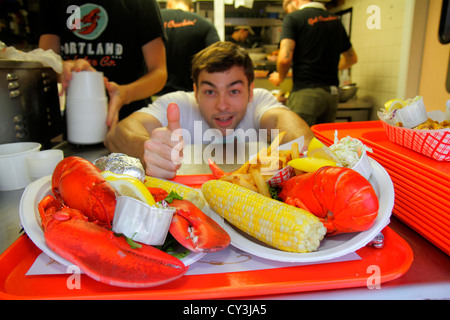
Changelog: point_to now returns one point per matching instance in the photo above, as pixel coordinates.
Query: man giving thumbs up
(224, 99)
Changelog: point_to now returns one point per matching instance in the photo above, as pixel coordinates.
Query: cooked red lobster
(79, 184)
(77, 226)
(343, 199)
(205, 235)
(100, 253)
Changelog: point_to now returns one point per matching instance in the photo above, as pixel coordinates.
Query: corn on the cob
(280, 225)
(187, 193)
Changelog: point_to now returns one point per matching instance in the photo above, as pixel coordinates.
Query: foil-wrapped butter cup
(363, 166)
(122, 164)
(141, 222)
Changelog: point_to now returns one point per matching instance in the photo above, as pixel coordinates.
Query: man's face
(223, 97)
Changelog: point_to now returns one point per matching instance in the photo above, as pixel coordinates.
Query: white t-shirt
(196, 130)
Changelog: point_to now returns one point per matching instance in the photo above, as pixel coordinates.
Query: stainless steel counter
(427, 278)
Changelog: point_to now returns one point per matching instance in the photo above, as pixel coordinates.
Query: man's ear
(195, 90)
(250, 93)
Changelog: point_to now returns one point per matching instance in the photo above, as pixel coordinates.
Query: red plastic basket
(434, 144)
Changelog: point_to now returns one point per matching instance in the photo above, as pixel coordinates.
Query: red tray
(408, 170)
(380, 141)
(423, 187)
(435, 238)
(394, 259)
(413, 175)
(325, 131)
(373, 134)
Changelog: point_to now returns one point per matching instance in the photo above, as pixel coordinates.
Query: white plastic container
(87, 85)
(43, 163)
(13, 165)
(86, 108)
(363, 166)
(141, 222)
(86, 120)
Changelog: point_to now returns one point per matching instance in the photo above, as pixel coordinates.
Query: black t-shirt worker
(123, 39)
(187, 33)
(315, 44)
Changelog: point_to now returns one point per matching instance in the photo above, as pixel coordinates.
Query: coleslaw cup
(363, 166)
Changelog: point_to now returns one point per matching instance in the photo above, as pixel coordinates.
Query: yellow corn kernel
(280, 225)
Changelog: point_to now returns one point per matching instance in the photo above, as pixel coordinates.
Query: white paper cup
(86, 84)
(43, 163)
(141, 222)
(13, 165)
(363, 166)
(86, 120)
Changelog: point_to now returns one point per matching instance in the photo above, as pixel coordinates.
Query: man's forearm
(287, 120)
(128, 137)
(146, 86)
(284, 61)
(294, 126)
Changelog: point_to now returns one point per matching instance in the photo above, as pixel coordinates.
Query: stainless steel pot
(29, 103)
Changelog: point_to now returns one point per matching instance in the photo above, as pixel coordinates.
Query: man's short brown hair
(222, 56)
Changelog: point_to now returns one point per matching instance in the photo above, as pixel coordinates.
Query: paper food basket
(434, 144)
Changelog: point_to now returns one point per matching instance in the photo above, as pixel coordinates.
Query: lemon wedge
(394, 104)
(315, 144)
(129, 186)
(317, 149)
(310, 164)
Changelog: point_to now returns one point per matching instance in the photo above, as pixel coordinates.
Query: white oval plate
(31, 221)
(330, 247)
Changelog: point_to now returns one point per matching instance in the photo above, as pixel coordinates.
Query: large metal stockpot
(29, 103)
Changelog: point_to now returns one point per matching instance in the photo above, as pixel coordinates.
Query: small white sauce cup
(141, 222)
(13, 165)
(43, 163)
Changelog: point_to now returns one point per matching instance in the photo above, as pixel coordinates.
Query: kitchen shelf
(253, 22)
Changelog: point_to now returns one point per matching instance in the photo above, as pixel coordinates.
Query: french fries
(296, 155)
(254, 173)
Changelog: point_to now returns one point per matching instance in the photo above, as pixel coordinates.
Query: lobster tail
(343, 199)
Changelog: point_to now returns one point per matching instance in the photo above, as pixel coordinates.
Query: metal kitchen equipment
(29, 103)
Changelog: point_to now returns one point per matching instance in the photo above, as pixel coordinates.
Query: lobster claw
(111, 260)
(195, 230)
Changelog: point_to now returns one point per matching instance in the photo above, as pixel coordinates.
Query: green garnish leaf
(274, 193)
(172, 247)
(181, 255)
(173, 195)
(131, 242)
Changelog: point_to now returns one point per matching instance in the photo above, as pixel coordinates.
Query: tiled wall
(379, 50)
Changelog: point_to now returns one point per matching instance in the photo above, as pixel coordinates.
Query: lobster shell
(343, 199)
(79, 184)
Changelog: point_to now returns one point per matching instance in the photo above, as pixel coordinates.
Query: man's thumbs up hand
(164, 150)
(173, 117)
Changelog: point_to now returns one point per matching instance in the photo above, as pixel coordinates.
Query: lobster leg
(195, 230)
(215, 169)
(111, 260)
